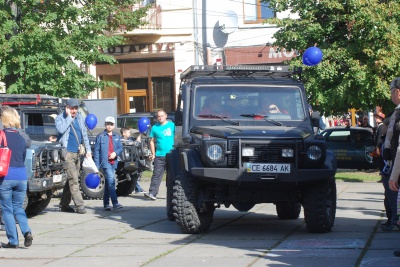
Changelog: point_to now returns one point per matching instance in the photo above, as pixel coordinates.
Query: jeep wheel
(126, 188)
(89, 193)
(26, 201)
(37, 206)
(288, 210)
(319, 203)
(192, 214)
(170, 182)
(243, 206)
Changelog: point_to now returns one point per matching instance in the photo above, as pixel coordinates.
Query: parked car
(352, 147)
(235, 154)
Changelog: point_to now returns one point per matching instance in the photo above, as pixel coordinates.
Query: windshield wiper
(223, 118)
(265, 117)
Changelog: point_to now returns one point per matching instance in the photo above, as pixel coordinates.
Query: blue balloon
(143, 124)
(312, 56)
(92, 180)
(91, 121)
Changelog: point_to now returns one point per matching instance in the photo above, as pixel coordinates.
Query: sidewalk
(140, 235)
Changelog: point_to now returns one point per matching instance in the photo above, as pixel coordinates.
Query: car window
(131, 122)
(40, 124)
(363, 137)
(119, 122)
(339, 136)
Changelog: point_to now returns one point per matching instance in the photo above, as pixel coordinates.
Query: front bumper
(239, 176)
(46, 183)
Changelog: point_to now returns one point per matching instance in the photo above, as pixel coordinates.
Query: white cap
(110, 119)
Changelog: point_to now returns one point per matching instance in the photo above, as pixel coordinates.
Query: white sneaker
(150, 196)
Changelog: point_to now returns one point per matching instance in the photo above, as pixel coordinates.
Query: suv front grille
(233, 147)
(269, 153)
(266, 153)
(46, 160)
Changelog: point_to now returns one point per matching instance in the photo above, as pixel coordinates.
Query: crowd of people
(73, 135)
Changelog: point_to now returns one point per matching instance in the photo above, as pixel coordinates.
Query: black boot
(28, 239)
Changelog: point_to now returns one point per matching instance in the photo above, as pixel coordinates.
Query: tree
(40, 41)
(360, 42)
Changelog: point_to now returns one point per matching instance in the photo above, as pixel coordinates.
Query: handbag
(81, 147)
(5, 155)
(89, 166)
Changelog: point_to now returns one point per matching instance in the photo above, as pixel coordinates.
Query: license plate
(266, 167)
(57, 178)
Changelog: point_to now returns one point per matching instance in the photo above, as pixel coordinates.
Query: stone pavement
(140, 235)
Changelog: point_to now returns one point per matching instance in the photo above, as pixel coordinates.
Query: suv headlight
(214, 152)
(314, 152)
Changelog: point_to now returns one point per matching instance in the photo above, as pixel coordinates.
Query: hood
(253, 132)
(45, 144)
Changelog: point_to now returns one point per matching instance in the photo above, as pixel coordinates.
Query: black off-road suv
(248, 137)
(44, 159)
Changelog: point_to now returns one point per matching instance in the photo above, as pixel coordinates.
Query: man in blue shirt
(161, 142)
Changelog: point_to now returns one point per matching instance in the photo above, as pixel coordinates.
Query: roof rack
(29, 100)
(240, 70)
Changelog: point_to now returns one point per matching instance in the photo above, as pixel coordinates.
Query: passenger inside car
(269, 105)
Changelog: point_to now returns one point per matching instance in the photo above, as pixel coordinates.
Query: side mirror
(315, 117)
(178, 118)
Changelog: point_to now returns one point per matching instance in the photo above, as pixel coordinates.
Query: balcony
(152, 19)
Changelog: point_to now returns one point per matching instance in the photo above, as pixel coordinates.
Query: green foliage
(42, 39)
(360, 42)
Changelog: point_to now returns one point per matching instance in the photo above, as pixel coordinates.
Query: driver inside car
(213, 107)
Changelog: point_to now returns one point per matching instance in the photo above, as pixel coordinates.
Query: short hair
(123, 129)
(162, 110)
(10, 117)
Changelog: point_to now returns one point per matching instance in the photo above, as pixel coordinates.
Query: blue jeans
(109, 190)
(390, 201)
(138, 188)
(156, 178)
(12, 195)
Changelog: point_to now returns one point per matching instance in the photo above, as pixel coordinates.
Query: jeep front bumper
(46, 183)
(238, 176)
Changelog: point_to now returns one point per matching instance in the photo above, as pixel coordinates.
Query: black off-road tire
(243, 207)
(35, 207)
(288, 210)
(26, 201)
(186, 197)
(96, 193)
(127, 187)
(170, 182)
(319, 204)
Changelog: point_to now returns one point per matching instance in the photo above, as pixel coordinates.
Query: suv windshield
(246, 102)
(39, 123)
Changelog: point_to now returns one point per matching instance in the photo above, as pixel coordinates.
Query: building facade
(180, 34)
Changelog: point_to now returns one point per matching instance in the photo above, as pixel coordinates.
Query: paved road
(140, 235)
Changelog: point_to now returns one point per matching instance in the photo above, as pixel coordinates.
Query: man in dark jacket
(106, 150)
